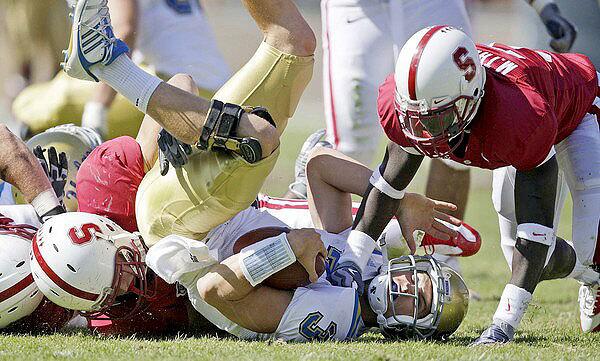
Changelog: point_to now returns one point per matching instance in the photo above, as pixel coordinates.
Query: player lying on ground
(120, 275)
(97, 188)
(496, 106)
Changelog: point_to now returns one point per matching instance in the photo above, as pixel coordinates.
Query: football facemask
(448, 304)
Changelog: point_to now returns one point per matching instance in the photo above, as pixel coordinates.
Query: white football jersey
(319, 311)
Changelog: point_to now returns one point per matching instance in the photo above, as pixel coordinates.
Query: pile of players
(152, 214)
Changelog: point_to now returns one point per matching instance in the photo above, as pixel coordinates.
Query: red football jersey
(108, 179)
(533, 100)
(107, 184)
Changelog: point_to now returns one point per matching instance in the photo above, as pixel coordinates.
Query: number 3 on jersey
(310, 329)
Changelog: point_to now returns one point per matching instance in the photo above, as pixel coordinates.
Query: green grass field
(550, 329)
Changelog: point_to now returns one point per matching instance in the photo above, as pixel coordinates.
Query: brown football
(289, 278)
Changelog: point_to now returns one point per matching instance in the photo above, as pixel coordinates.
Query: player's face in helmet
(439, 86)
(405, 282)
(418, 297)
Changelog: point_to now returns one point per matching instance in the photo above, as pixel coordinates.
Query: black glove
(562, 31)
(347, 274)
(56, 168)
(170, 150)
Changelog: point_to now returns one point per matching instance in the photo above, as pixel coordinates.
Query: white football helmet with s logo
(19, 295)
(439, 86)
(80, 261)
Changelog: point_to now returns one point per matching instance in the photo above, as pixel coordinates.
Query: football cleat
(92, 40)
(589, 307)
(495, 335)
(300, 184)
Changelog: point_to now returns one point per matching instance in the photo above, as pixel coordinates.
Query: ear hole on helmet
(50, 229)
(56, 293)
(476, 92)
(55, 247)
(12, 309)
(71, 268)
(20, 264)
(110, 227)
(33, 294)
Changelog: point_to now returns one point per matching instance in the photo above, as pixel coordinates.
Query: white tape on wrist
(359, 249)
(384, 187)
(513, 304)
(536, 233)
(45, 202)
(539, 5)
(262, 259)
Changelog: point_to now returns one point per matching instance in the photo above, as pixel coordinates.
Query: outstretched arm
(334, 177)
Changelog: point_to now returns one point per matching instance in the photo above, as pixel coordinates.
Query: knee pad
(220, 130)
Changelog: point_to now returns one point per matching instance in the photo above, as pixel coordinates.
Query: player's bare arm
(334, 177)
(258, 308)
(21, 168)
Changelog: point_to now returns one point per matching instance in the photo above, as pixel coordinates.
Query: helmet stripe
(16, 288)
(414, 63)
(56, 278)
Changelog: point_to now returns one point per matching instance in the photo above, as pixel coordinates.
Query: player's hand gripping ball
(289, 278)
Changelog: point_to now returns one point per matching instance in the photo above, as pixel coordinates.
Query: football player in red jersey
(527, 113)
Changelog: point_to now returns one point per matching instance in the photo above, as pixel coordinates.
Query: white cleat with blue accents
(92, 40)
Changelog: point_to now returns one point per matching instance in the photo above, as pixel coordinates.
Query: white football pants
(174, 36)
(578, 158)
(361, 40)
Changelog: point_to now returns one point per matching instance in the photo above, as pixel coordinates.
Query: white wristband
(359, 249)
(536, 233)
(45, 202)
(539, 5)
(262, 259)
(384, 187)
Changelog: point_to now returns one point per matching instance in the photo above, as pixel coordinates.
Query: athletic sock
(124, 76)
(512, 306)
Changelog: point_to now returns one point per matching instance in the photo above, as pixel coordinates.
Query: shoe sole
(74, 58)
